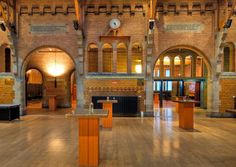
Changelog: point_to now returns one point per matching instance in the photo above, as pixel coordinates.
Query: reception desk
(107, 104)
(185, 110)
(88, 138)
(52, 103)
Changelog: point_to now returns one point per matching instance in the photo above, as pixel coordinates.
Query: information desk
(107, 104)
(88, 141)
(186, 114)
(9, 112)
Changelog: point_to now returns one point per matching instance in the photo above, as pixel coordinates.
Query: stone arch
(27, 58)
(23, 68)
(187, 47)
(231, 55)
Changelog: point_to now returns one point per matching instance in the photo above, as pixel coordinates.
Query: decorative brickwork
(227, 91)
(7, 94)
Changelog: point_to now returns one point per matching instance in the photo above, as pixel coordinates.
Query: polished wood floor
(51, 141)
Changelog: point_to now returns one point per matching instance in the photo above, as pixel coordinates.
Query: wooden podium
(107, 104)
(52, 102)
(88, 141)
(186, 114)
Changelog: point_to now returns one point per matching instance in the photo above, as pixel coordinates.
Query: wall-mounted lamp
(228, 23)
(3, 27)
(151, 24)
(76, 24)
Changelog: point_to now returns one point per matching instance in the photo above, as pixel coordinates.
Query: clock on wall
(114, 23)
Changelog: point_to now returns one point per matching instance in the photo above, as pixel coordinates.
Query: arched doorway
(180, 73)
(34, 88)
(56, 67)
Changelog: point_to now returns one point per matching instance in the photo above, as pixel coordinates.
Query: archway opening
(56, 68)
(34, 88)
(180, 74)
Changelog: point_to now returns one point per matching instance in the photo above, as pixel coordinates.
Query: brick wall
(114, 87)
(227, 90)
(7, 94)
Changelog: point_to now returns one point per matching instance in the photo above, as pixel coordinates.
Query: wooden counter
(186, 114)
(107, 104)
(52, 102)
(88, 140)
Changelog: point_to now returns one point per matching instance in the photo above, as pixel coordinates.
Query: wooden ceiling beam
(152, 9)
(77, 9)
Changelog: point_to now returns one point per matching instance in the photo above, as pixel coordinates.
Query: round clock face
(115, 23)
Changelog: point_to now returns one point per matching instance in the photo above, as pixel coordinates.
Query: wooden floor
(51, 141)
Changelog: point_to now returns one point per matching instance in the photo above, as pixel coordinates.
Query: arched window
(122, 54)
(107, 58)
(137, 58)
(166, 63)
(34, 77)
(226, 59)
(157, 69)
(229, 58)
(188, 66)
(177, 67)
(199, 66)
(92, 58)
(5, 59)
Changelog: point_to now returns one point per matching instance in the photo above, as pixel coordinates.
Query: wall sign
(48, 29)
(184, 27)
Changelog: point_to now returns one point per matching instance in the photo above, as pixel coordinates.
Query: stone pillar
(114, 59)
(20, 94)
(100, 58)
(214, 93)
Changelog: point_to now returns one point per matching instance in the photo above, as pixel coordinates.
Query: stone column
(149, 74)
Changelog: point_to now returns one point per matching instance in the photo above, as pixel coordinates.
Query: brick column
(193, 66)
(100, 58)
(172, 66)
(182, 71)
(161, 69)
(129, 59)
(114, 58)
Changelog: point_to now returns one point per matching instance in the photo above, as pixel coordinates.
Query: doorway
(179, 74)
(48, 78)
(34, 88)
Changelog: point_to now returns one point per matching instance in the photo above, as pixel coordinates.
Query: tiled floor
(50, 140)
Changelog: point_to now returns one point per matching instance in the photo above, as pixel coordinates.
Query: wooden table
(52, 102)
(88, 141)
(107, 104)
(186, 114)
